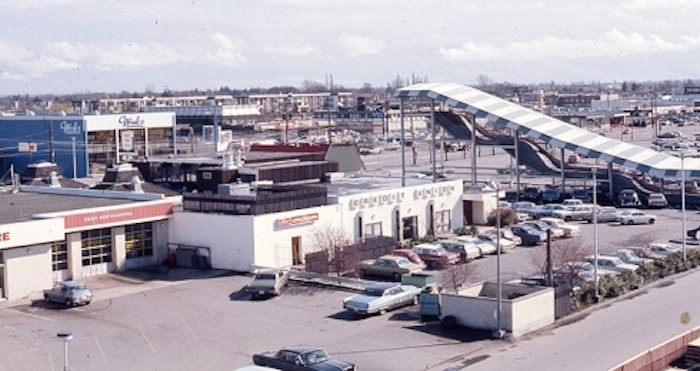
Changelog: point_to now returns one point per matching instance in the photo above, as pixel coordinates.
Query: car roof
(382, 286)
(72, 283)
(301, 348)
(391, 257)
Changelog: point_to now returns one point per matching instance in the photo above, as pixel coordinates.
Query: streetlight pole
(595, 234)
(66, 336)
(683, 205)
(499, 290)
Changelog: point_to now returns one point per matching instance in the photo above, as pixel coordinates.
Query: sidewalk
(114, 285)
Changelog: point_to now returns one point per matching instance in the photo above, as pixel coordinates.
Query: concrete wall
(229, 237)
(23, 273)
(476, 307)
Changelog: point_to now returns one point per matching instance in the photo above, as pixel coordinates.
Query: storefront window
(160, 141)
(97, 246)
(373, 229)
(139, 240)
(59, 256)
(102, 150)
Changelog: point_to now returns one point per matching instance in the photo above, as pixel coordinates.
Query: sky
(82, 46)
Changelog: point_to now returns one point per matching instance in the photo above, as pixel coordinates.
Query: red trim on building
(134, 213)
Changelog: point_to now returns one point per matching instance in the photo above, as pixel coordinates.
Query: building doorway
(296, 250)
(410, 228)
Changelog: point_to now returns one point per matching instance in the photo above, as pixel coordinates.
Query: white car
(663, 249)
(613, 263)
(570, 230)
(636, 217)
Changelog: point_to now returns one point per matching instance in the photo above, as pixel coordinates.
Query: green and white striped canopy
(554, 132)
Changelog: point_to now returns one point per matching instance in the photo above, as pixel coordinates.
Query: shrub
(508, 216)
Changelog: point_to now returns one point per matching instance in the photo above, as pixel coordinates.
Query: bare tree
(565, 258)
(453, 277)
(335, 241)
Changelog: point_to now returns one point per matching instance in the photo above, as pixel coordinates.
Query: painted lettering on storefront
(70, 128)
(117, 215)
(433, 192)
(4, 236)
(297, 220)
(131, 122)
(368, 202)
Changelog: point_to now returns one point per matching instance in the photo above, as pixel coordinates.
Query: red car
(435, 255)
(410, 255)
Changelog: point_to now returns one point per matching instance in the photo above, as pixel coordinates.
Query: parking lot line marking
(99, 346)
(146, 338)
(189, 328)
(30, 315)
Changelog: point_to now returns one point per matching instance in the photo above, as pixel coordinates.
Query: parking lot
(210, 324)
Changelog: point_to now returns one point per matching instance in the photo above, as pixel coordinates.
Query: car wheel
(382, 311)
(363, 272)
(651, 221)
(434, 265)
(46, 298)
(87, 302)
(630, 223)
(396, 276)
(567, 218)
(69, 303)
(448, 323)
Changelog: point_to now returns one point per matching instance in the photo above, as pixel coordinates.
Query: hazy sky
(69, 46)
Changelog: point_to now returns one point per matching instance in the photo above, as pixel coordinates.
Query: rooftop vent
(136, 184)
(53, 180)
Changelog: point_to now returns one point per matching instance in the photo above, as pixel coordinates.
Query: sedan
(530, 236)
(636, 217)
(382, 298)
(570, 230)
(69, 293)
(543, 227)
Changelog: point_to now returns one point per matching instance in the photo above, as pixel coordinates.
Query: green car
(388, 266)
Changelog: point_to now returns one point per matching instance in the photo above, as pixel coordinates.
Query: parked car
(551, 195)
(582, 271)
(493, 239)
(572, 202)
(69, 293)
(382, 298)
(507, 234)
(664, 249)
(410, 255)
(435, 256)
(694, 233)
(636, 217)
(657, 200)
(388, 266)
(570, 230)
(613, 263)
(267, 283)
(523, 206)
(529, 235)
(301, 358)
(484, 247)
(543, 227)
(466, 250)
(573, 213)
(629, 256)
(604, 214)
(530, 194)
(628, 198)
(544, 210)
(582, 194)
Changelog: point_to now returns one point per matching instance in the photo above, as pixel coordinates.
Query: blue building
(84, 145)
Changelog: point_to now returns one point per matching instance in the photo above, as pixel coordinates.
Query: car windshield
(265, 276)
(77, 287)
(373, 291)
(316, 356)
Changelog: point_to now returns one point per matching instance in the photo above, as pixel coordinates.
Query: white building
(359, 208)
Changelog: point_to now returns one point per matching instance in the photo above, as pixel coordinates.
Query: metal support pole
(684, 233)
(499, 300)
(403, 145)
(610, 181)
(432, 124)
(563, 173)
(595, 235)
(75, 164)
(516, 139)
(473, 135)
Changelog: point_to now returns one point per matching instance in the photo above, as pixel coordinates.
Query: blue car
(529, 235)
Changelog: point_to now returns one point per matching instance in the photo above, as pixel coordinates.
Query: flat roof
(21, 206)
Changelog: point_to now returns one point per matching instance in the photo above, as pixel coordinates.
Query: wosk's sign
(132, 214)
(297, 220)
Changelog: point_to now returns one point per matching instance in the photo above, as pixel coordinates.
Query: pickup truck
(301, 358)
(267, 283)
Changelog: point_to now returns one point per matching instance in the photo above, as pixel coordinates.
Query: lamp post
(499, 333)
(66, 336)
(595, 235)
(683, 204)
